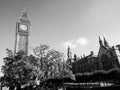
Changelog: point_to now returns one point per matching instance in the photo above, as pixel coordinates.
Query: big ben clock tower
(22, 33)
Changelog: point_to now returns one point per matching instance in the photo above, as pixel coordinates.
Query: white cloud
(82, 41)
(74, 43)
(71, 44)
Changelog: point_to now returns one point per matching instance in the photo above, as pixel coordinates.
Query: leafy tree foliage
(20, 69)
(17, 71)
(113, 74)
(100, 75)
(51, 63)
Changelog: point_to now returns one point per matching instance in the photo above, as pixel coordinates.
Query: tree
(20, 70)
(51, 63)
(114, 75)
(17, 70)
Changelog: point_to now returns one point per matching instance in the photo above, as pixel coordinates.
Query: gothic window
(105, 62)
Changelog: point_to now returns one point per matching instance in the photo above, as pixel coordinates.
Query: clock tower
(22, 33)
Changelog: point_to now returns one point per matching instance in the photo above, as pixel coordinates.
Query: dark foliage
(101, 75)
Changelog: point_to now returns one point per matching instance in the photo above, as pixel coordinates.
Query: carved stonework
(22, 33)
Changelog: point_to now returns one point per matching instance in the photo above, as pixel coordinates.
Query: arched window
(105, 62)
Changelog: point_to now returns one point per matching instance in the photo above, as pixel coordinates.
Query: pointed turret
(69, 54)
(75, 57)
(69, 57)
(105, 42)
(100, 41)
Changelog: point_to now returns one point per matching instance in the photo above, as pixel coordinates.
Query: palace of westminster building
(108, 57)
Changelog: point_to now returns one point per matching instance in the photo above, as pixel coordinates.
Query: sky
(59, 23)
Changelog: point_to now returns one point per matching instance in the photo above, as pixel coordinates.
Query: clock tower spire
(22, 33)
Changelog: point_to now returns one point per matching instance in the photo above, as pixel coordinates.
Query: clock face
(23, 27)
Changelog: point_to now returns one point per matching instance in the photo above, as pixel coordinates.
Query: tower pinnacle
(100, 41)
(105, 42)
(69, 53)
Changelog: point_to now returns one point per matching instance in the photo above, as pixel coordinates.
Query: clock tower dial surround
(22, 33)
(23, 27)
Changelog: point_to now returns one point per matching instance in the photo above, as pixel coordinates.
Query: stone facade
(22, 33)
(107, 58)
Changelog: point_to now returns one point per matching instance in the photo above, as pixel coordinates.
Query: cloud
(74, 43)
(82, 41)
(71, 44)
